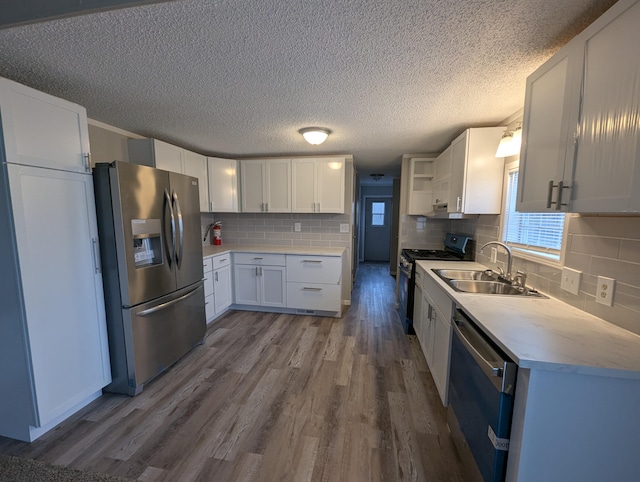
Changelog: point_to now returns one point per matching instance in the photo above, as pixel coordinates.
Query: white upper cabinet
(196, 165)
(475, 185)
(43, 131)
(581, 132)
(223, 185)
(161, 155)
(422, 171)
(549, 111)
(265, 185)
(318, 185)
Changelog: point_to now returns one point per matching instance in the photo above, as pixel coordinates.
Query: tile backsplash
(278, 229)
(596, 245)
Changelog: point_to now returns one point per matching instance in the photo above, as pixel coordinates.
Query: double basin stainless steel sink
(485, 282)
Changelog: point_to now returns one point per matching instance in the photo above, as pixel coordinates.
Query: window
(535, 234)
(377, 214)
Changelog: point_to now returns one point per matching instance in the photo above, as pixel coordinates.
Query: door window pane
(377, 214)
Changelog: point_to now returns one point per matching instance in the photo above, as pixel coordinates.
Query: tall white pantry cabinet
(54, 356)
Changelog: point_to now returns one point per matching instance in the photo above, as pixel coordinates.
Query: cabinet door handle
(458, 199)
(256, 271)
(211, 206)
(306, 288)
(87, 159)
(550, 194)
(266, 207)
(96, 255)
(312, 261)
(318, 207)
(215, 275)
(260, 270)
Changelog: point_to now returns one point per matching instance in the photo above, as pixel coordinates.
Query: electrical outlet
(605, 290)
(494, 255)
(571, 280)
(344, 227)
(297, 227)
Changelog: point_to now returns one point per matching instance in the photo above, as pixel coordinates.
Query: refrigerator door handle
(170, 254)
(180, 239)
(163, 306)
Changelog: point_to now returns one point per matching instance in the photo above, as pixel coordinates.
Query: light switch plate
(571, 280)
(297, 227)
(605, 289)
(344, 227)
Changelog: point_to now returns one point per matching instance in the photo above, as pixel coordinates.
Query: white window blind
(534, 232)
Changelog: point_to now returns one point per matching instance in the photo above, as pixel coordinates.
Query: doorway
(377, 228)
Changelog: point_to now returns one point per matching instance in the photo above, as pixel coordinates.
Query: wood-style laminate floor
(273, 397)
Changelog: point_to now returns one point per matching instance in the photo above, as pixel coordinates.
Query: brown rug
(16, 469)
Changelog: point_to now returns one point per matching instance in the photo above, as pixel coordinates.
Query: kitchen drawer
(314, 269)
(207, 264)
(313, 296)
(221, 260)
(438, 295)
(259, 259)
(208, 283)
(209, 307)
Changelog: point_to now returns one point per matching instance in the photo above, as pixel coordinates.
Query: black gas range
(456, 248)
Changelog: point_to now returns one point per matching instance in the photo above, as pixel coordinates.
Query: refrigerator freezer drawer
(156, 335)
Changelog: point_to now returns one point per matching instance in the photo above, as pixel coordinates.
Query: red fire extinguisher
(217, 234)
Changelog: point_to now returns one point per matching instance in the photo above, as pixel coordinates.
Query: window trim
(529, 254)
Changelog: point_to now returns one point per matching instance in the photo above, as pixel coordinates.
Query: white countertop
(302, 250)
(545, 333)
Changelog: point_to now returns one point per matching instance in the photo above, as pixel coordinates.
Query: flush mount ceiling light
(376, 177)
(315, 135)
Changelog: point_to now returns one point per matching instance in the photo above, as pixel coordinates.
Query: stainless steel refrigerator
(151, 250)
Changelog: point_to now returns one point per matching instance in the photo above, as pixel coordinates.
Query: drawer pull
(311, 289)
(312, 261)
(223, 260)
(257, 258)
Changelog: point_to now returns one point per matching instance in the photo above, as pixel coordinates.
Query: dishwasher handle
(501, 372)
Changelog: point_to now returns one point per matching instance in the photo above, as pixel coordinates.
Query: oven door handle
(404, 270)
(488, 368)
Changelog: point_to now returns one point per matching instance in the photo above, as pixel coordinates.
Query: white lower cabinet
(260, 279)
(217, 285)
(209, 305)
(314, 283)
(222, 283)
(432, 323)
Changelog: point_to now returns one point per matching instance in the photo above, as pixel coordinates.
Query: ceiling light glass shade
(314, 135)
(335, 165)
(517, 140)
(505, 147)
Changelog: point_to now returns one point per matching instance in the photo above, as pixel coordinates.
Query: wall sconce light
(315, 135)
(376, 177)
(510, 143)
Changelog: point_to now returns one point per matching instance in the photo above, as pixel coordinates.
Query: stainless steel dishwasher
(481, 392)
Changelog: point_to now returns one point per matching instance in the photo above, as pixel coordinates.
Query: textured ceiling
(238, 78)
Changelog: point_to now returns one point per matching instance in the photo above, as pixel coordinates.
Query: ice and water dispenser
(147, 242)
